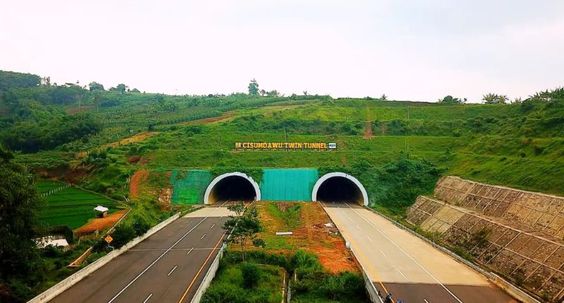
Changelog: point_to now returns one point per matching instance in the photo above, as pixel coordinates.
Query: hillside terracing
(515, 233)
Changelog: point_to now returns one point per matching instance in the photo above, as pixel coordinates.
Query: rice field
(70, 206)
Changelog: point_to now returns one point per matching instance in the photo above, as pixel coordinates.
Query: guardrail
(92, 267)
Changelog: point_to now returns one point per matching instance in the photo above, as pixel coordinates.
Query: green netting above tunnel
(288, 184)
(189, 186)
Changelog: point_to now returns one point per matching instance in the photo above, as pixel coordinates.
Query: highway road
(406, 266)
(166, 267)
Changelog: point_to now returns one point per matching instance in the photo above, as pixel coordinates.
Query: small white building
(101, 211)
(56, 241)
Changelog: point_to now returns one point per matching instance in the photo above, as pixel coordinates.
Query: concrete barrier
(89, 269)
(368, 282)
(209, 275)
(511, 289)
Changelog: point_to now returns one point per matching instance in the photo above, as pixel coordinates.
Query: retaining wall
(537, 211)
(502, 229)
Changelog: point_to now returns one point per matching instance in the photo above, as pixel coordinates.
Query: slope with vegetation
(76, 134)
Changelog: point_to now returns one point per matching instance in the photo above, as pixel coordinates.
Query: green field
(71, 206)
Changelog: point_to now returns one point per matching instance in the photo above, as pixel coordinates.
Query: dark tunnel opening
(339, 190)
(232, 188)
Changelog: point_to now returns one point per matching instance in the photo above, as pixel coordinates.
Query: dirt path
(100, 223)
(224, 117)
(368, 130)
(133, 139)
(138, 177)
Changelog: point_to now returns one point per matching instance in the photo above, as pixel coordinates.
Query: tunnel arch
(235, 185)
(325, 187)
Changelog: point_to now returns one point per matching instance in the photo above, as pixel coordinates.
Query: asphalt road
(166, 267)
(406, 266)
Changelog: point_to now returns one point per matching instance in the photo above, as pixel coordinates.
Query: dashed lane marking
(148, 297)
(156, 260)
(172, 270)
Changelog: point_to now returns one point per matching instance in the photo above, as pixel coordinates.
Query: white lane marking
(172, 270)
(405, 253)
(212, 226)
(425, 300)
(202, 236)
(403, 274)
(191, 249)
(149, 297)
(154, 262)
(383, 254)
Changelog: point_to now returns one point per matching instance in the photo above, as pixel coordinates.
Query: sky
(409, 50)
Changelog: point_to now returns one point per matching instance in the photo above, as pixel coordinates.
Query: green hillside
(519, 145)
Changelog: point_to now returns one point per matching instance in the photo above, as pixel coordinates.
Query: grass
(289, 214)
(71, 206)
(43, 187)
(229, 284)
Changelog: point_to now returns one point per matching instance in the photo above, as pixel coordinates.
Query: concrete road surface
(406, 266)
(167, 267)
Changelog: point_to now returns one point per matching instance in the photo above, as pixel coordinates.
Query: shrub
(251, 274)
(123, 234)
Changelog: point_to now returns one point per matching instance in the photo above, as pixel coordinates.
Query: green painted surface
(189, 186)
(288, 184)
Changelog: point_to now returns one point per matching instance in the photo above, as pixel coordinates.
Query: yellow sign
(285, 145)
(108, 239)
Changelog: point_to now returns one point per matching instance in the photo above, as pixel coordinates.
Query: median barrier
(210, 274)
(368, 282)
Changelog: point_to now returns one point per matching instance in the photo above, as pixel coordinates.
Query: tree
(93, 86)
(19, 202)
(121, 88)
(491, 98)
(384, 97)
(451, 100)
(243, 227)
(253, 88)
(273, 93)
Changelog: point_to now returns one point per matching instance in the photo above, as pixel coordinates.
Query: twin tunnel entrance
(333, 187)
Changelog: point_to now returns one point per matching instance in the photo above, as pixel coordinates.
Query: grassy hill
(519, 145)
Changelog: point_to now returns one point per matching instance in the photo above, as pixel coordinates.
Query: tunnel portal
(339, 187)
(232, 187)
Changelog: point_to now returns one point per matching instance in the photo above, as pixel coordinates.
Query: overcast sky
(415, 50)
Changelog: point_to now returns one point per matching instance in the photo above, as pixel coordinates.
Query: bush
(251, 274)
(123, 234)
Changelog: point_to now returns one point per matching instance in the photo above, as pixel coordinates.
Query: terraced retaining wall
(514, 233)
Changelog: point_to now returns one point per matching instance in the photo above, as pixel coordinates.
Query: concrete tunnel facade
(339, 187)
(331, 187)
(235, 186)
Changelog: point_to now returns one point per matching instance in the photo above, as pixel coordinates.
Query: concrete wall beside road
(89, 269)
